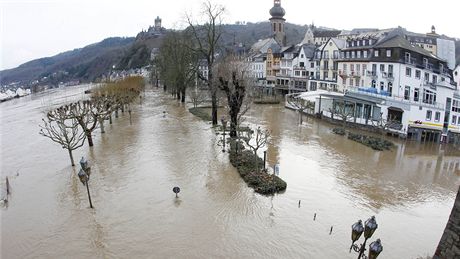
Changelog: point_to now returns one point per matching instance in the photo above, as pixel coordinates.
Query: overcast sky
(32, 29)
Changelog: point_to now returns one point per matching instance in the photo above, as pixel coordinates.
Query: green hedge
(260, 181)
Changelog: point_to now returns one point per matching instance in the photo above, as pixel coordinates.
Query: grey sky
(38, 28)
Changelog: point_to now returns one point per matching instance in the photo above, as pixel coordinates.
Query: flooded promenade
(409, 189)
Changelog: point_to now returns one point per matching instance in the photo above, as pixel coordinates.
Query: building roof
(399, 41)
(326, 33)
(263, 45)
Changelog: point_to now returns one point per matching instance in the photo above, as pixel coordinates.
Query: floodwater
(410, 189)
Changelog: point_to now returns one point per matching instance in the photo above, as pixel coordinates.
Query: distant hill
(84, 64)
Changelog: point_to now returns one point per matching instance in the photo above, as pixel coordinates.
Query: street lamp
(224, 125)
(357, 229)
(84, 174)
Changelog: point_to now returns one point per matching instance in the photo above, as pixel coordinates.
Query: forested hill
(84, 64)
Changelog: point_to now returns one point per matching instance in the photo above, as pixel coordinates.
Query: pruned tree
(343, 110)
(82, 112)
(300, 105)
(62, 128)
(256, 140)
(206, 44)
(232, 76)
(197, 96)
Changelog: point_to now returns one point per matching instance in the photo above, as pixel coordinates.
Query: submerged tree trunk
(101, 122)
(71, 157)
(214, 108)
(89, 137)
(183, 96)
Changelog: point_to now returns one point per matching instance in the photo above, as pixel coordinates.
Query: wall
(449, 245)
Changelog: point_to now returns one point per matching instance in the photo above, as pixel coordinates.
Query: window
(301, 55)
(456, 106)
(344, 67)
(408, 71)
(388, 53)
(416, 94)
(297, 73)
(376, 53)
(425, 62)
(312, 64)
(390, 87)
(437, 116)
(454, 119)
(417, 74)
(407, 57)
(435, 79)
(428, 115)
(335, 54)
(351, 81)
(352, 67)
(407, 93)
(326, 54)
(374, 69)
(325, 75)
(302, 64)
(365, 54)
(382, 85)
(357, 82)
(352, 54)
(358, 68)
(326, 64)
(429, 97)
(364, 69)
(358, 54)
(342, 54)
(373, 83)
(382, 68)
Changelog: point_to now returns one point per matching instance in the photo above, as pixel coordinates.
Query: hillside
(84, 64)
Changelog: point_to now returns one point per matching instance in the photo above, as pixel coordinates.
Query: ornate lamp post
(84, 174)
(357, 229)
(224, 125)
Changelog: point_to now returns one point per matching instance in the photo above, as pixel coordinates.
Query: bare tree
(197, 97)
(343, 110)
(256, 140)
(233, 81)
(206, 45)
(301, 105)
(177, 63)
(63, 129)
(82, 112)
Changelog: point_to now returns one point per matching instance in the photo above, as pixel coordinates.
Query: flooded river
(410, 189)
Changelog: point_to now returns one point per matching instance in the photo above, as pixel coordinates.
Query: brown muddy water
(410, 189)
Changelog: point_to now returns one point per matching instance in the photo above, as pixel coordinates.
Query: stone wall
(449, 245)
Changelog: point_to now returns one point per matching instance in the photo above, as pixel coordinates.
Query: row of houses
(393, 77)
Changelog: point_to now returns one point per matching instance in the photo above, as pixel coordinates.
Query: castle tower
(277, 22)
(157, 24)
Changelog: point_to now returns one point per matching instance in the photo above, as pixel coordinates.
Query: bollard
(330, 232)
(314, 217)
(299, 203)
(7, 186)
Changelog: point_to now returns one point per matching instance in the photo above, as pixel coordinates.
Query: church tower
(277, 22)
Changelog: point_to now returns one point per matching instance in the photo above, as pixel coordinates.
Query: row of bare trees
(70, 125)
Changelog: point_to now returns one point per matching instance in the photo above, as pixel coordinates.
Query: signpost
(176, 190)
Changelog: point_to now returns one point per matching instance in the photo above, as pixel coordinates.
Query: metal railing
(382, 95)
